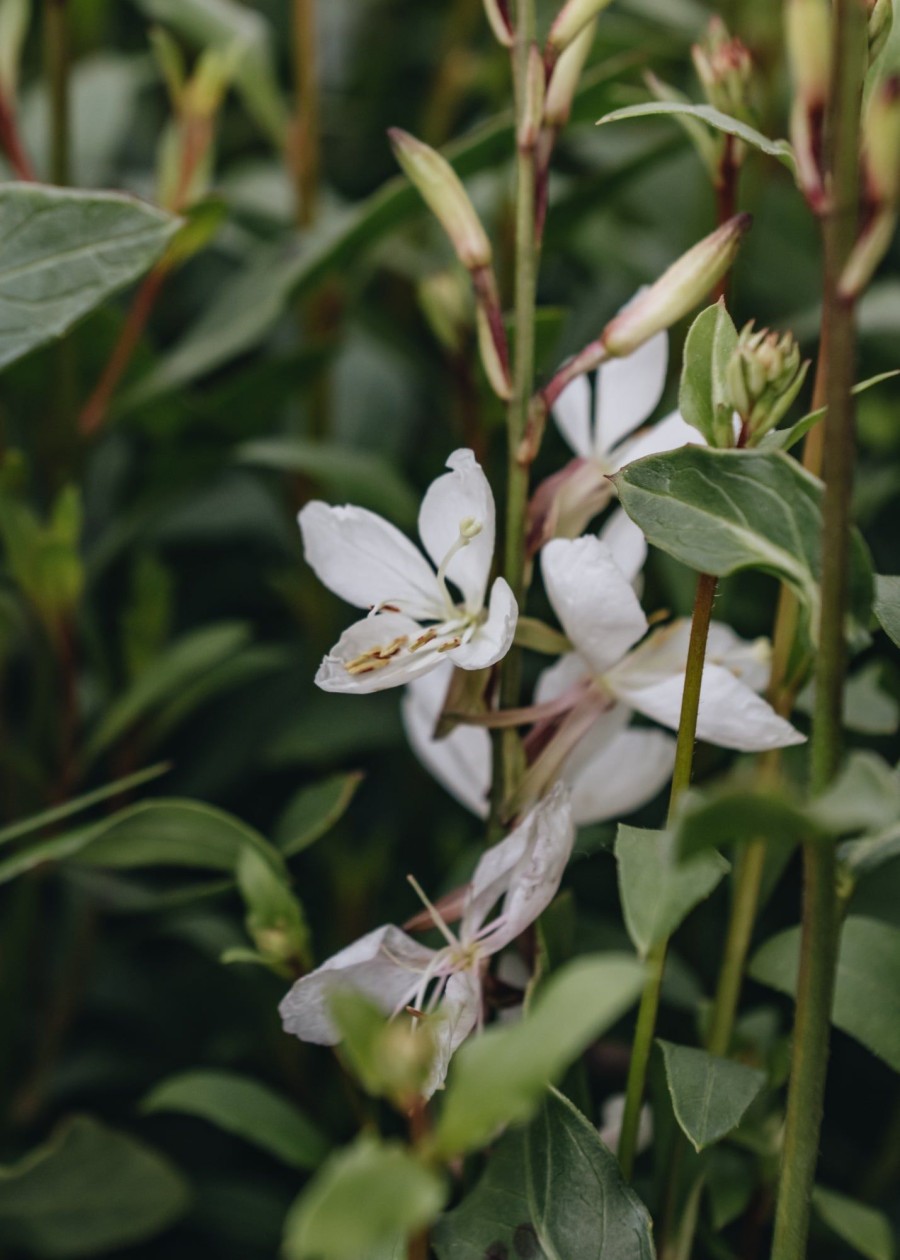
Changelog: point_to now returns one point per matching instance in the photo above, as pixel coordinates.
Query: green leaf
(314, 811)
(496, 1215)
(779, 149)
(867, 989)
(887, 605)
(246, 1108)
(89, 1189)
(709, 1094)
(724, 511)
(275, 920)
(737, 815)
(703, 394)
(389, 1057)
(499, 1077)
(361, 1199)
(865, 796)
(658, 891)
(64, 252)
(49, 817)
(784, 439)
(350, 475)
(862, 1227)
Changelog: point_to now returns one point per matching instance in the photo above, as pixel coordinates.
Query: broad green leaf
(361, 1199)
(737, 815)
(865, 796)
(862, 1227)
(703, 395)
(496, 1215)
(500, 1077)
(709, 1094)
(887, 605)
(246, 1108)
(352, 476)
(779, 149)
(49, 817)
(862, 857)
(314, 811)
(581, 1207)
(723, 511)
(178, 667)
(89, 1189)
(868, 707)
(657, 889)
(867, 990)
(63, 252)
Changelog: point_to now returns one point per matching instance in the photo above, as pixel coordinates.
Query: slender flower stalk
(56, 49)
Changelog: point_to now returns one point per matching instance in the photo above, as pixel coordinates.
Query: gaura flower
(520, 876)
(600, 430)
(415, 621)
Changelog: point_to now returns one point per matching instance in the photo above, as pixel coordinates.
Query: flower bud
(565, 77)
(725, 68)
(881, 143)
(808, 36)
(762, 378)
(881, 19)
(533, 104)
(445, 196)
(572, 18)
(678, 289)
(498, 15)
(15, 16)
(447, 305)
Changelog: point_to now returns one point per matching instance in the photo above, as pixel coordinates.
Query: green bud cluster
(763, 376)
(725, 69)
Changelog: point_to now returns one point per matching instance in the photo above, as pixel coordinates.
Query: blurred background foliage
(155, 610)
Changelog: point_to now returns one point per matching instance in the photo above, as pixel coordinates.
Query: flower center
(469, 528)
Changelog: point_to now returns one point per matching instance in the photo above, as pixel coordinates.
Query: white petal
(669, 434)
(731, 715)
(665, 652)
(386, 966)
(461, 761)
(365, 560)
(385, 632)
(620, 775)
(455, 1018)
(628, 390)
(593, 599)
(461, 494)
(627, 543)
(560, 677)
(572, 413)
(493, 639)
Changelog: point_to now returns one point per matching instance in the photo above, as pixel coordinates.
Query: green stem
(306, 156)
(747, 883)
(56, 47)
(656, 959)
(506, 749)
(821, 918)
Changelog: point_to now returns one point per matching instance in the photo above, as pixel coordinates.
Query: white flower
(522, 874)
(415, 621)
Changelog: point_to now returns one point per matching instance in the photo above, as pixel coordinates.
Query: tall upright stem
(656, 959)
(56, 49)
(821, 919)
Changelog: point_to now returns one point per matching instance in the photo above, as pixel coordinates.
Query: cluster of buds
(725, 69)
(763, 377)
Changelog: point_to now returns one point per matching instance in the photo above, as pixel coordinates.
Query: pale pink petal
(365, 560)
(560, 677)
(493, 639)
(627, 391)
(617, 777)
(391, 635)
(670, 433)
(593, 600)
(461, 761)
(463, 494)
(454, 1020)
(627, 543)
(665, 652)
(386, 966)
(572, 413)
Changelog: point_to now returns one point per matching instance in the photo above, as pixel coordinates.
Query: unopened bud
(725, 68)
(677, 291)
(492, 357)
(763, 377)
(881, 143)
(498, 15)
(205, 92)
(15, 16)
(170, 60)
(881, 19)
(565, 77)
(571, 20)
(445, 299)
(808, 35)
(533, 104)
(442, 190)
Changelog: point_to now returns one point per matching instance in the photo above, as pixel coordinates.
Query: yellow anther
(376, 657)
(423, 639)
(450, 644)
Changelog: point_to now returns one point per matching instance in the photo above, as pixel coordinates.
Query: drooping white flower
(415, 621)
(519, 876)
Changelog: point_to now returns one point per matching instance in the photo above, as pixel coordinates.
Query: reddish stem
(11, 142)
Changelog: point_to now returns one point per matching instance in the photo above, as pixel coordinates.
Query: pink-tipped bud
(497, 12)
(725, 69)
(565, 77)
(571, 20)
(533, 104)
(881, 143)
(677, 291)
(445, 196)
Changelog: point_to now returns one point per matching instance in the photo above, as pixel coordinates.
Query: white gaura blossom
(519, 876)
(600, 429)
(415, 620)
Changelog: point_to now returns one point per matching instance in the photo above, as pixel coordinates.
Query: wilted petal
(461, 761)
(668, 435)
(614, 778)
(386, 966)
(455, 1018)
(593, 600)
(374, 654)
(364, 559)
(627, 543)
(572, 413)
(628, 390)
(463, 494)
(493, 639)
(567, 501)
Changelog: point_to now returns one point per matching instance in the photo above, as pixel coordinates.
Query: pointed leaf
(314, 811)
(887, 605)
(703, 395)
(779, 149)
(862, 1227)
(709, 1094)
